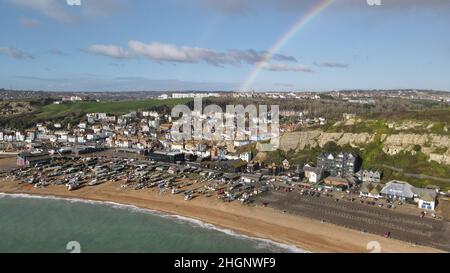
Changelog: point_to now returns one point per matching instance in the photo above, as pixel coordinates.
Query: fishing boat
(73, 186)
(93, 182)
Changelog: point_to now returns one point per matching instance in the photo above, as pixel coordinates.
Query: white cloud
(162, 52)
(110, 51)
(332, 65)
(285, 67)
(167, 52)
(15, 53)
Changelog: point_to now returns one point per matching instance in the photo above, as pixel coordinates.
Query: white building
(152, 114)
(239, 143)
(192, 95)
(163, 97)
(313, 174)
(154, 123)
(82, 125)
(81, 139)
(246, 156)
(425, 198)
(72, 98)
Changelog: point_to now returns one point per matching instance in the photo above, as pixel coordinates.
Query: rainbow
(299, 24)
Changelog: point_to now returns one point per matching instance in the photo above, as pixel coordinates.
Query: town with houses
(138, 151)
(225, 126)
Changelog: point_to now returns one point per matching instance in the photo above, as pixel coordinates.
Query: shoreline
(264, 224)
(133, 208)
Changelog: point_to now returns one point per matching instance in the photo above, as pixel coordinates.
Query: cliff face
(392, 144)
(301, 140)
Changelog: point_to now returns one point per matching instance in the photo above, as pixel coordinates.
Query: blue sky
(214, 44)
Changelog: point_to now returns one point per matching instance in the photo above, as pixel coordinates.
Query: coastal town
(225, 134)
(136, 152)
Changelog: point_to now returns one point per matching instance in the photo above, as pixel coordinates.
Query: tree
(331, 146)
(417, 148)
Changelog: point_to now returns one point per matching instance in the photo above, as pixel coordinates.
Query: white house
(72, 139)
(425, 198)
(154, 123)
(246, 156)
(313, 174)
(240, 143)
(20, 136)
(82, 125)
(163, 97)
(231, 157)
(150, 114)
(81, 139)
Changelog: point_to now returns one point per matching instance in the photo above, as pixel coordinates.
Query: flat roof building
(26, 159)
(169, 157)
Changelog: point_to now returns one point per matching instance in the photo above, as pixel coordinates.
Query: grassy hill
(74, 112)
(116, 107)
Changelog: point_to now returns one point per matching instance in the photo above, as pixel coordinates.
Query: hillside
(413, 151)
(74, 112)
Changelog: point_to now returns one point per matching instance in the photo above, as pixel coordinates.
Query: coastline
(264, 224)
(133, 208)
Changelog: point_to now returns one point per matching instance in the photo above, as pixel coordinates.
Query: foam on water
(262, 243)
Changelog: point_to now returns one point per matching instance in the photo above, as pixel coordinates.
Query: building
(286, 164)
(425, 198)
(228, 166)
(26, 159)
(251, 178)
(246, 156)
(398, 190)
(371, 190)
(80, 150)
(192, 95)
(339, 182)
(369, 176)
(342, 164)
(313, 174)
(170, 157)
(347, 116)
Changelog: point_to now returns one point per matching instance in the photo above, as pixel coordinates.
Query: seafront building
(341, 164)
(28, 159)
(399, 190)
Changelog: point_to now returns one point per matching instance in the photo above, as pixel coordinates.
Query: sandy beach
(267, 223)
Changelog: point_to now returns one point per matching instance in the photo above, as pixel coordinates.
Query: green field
(72, 113)
(116, 107)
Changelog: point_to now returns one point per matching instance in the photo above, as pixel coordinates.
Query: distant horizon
(227, 91)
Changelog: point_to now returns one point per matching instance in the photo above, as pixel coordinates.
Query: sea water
(46, 224)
